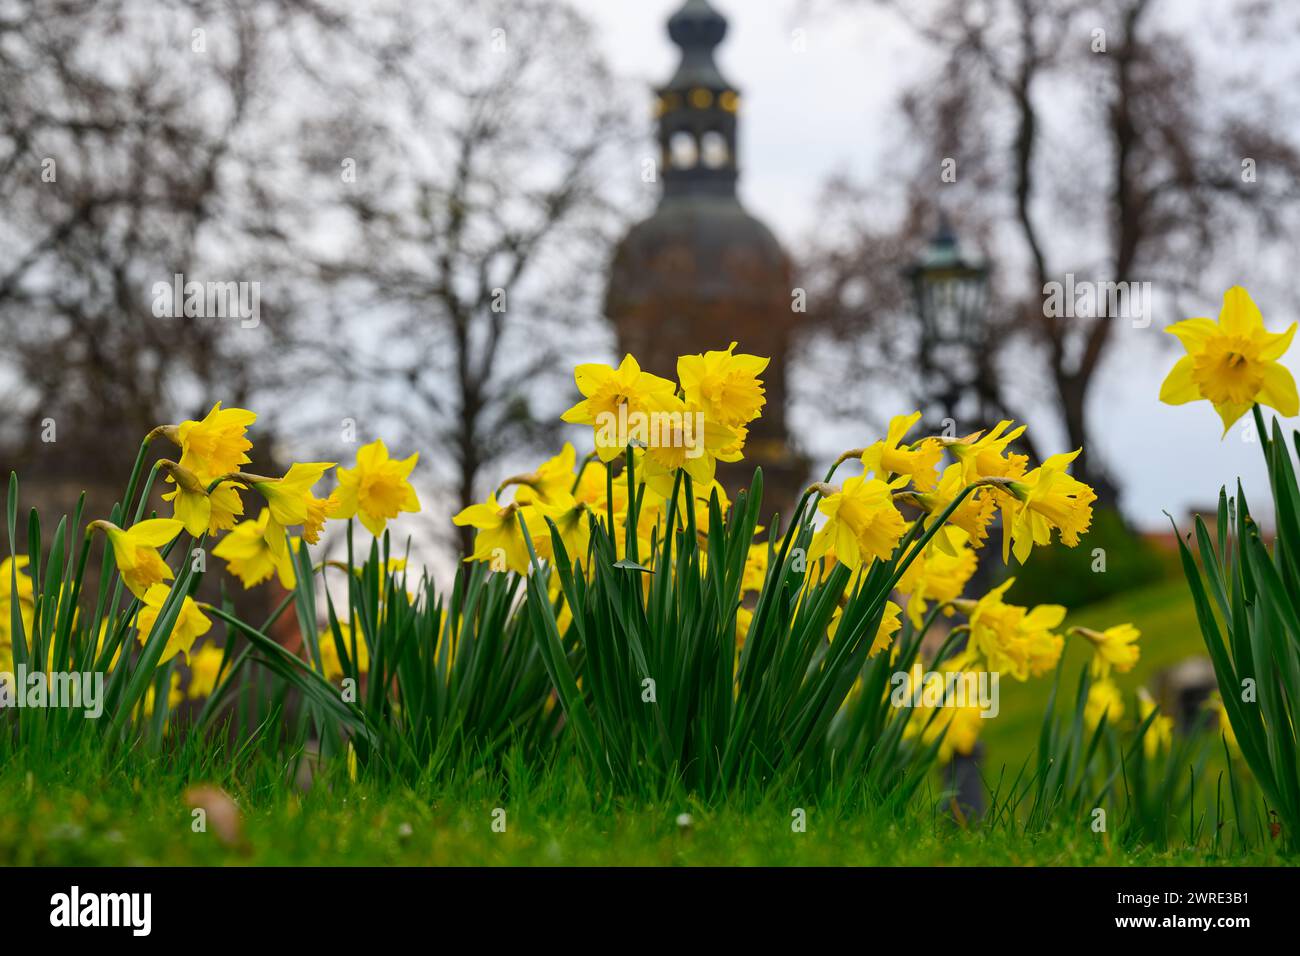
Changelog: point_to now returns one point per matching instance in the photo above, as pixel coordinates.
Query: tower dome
(701, 272)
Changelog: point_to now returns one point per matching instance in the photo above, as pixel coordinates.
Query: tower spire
(701, 272)
(697, 108)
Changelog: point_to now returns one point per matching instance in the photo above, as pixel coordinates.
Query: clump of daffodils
(675, 430)
(208, 483)
(926, 503)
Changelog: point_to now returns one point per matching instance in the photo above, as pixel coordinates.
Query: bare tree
(422, 194)
(465, 225)
(1091, 137)
(126, 130)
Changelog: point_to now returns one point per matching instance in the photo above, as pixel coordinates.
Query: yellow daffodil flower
(959, 725)
(376, 490)
(571, 520)
(99, 645)
(1160, 735)
(136, 551)
(551, 483)
(291, 502)
(658, 482)
(251, 558)
(694, 444)
(918, 461)
(1046, 498)
(936, 575)
(610, 393)
(971, 519)
(1104, 699)
(724, 385)
(216, 445)
(190, 625)
(332, 661)
(499, 541)
(593, 489)
(1116, 647)
(1012, 639)
(174, 696)
(11, 568)
(963, 731)
(862, 523)
(205, 671)
(192, 505)
(890, 623)
(986, 456)
(1232, 363)
(755, 573)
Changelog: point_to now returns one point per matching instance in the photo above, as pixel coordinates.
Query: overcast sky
(807, 115)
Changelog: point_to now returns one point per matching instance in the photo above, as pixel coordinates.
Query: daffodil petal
(1178, 387)
(1193, 332)
(1279, 390)
(1239, 315)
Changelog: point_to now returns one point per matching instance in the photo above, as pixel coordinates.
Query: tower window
(713, 150)
(683, 153)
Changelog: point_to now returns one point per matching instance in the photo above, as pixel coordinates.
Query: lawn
(85, 818)
(83, 813)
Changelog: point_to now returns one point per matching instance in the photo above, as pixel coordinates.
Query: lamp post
(950, 292)
(951, 295)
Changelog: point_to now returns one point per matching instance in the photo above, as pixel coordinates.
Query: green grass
(83, 816)
(78, 811)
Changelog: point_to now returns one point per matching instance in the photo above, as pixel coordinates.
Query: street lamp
(951, 295)
(950, 292)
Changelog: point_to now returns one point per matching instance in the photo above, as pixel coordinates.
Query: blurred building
(701, 272)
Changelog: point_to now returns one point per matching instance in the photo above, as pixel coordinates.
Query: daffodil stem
(135, 474)
(950, 642)
(144, 493)
(670, 526)
(1265, 442)
(830, 472)
(844, 456)
(591, 456)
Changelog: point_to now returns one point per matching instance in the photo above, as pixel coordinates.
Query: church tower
(702, 272)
